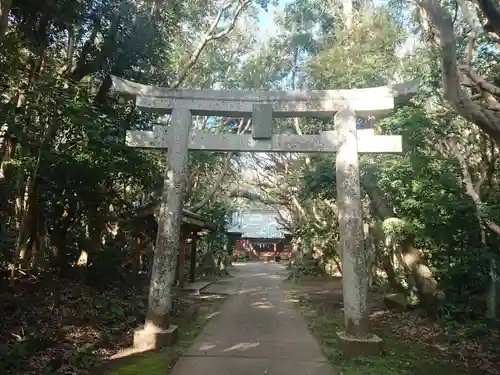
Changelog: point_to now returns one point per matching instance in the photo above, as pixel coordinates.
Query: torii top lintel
(374, 101)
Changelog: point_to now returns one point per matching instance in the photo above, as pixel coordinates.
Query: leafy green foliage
(70, 186)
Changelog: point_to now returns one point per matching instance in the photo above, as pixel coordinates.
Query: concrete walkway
(256, 332)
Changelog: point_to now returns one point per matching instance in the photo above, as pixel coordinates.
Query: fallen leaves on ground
(470, 345)
(479, 353)
(60, 326)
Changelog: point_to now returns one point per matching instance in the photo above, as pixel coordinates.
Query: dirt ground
(56, 326)
(413, 344)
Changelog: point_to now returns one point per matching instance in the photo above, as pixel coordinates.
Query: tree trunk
(27, 219)
(138, 250)
(7, 146)
(485, 118)
(425, 282)
(5, 6)
(36, 231)
(96, 227)
(491, 300)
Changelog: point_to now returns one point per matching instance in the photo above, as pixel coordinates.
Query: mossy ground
(404, 353)
(145, 363)
(161, 362)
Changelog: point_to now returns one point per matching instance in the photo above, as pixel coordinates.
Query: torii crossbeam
(345, 140)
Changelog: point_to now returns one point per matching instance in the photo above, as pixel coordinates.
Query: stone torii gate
(344, 140)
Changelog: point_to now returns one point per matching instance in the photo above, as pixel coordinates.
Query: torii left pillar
(157, 331)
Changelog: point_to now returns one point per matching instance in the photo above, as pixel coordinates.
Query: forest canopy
(69, 186)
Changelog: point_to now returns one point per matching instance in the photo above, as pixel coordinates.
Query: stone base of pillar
(154, 340)
(352, 346)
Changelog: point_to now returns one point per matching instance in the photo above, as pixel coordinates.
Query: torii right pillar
(357, 338)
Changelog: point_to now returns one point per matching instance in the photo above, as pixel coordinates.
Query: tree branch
(245, 194)
(220, 180)
(492, 14)
(469, 186)
(445, 39)
(210, 35)
(5, 6)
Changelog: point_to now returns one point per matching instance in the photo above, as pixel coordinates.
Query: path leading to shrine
(257, 331)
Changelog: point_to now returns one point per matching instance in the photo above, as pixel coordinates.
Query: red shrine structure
(257, 235)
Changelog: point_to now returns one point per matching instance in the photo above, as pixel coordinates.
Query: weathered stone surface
(282, 107)
(396, 301)
(167, 241)
(352, 346)
(354, 263)
(325, 142)
(344, 140)
(310, 103)
(147, 339)
(262, 121)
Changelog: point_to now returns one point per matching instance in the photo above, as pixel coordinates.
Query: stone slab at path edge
(257, 331)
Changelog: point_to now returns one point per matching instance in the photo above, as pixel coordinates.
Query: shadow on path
(257, 331)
